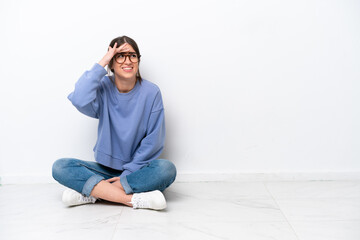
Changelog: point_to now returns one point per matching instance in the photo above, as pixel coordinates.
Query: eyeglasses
(121, 57)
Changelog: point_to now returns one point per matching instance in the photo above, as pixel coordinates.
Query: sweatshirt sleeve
(152, 144)
(86, 96)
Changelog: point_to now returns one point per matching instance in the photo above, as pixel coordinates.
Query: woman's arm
(86, 96)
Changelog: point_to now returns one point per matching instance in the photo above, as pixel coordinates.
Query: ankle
(128, 200)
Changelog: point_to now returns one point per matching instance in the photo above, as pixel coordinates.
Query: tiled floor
(313, 210)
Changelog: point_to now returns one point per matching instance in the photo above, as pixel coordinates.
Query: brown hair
(121, 40)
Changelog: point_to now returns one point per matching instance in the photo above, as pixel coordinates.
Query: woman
(131, 135)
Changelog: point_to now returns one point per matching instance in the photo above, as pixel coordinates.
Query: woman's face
(127, 69)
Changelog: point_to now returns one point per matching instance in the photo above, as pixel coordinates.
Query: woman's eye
(120, 56)
(133, 56)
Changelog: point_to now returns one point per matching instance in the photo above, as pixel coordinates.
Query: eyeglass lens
(121, 57)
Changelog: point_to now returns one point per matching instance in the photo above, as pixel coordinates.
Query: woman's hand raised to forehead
(112, 51)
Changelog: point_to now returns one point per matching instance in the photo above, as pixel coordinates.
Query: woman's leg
(157, 175)
(85, 177)
(111, 192)
(91, 178)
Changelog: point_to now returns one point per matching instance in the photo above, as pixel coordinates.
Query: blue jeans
(82, 176)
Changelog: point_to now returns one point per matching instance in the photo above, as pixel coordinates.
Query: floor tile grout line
(118, 221)
(276, 202)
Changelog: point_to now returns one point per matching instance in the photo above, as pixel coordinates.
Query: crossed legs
(93, 179)
(111, 190)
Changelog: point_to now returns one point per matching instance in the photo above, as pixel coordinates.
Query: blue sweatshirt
(131, 129)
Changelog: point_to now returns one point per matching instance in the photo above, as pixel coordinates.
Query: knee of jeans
(167, 168)
(59, 166)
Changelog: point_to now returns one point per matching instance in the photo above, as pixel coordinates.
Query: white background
(248, 86)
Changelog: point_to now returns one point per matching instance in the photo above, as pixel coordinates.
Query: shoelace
(139, 202)
(85, 199)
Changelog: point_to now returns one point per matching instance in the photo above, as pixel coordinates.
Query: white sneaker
(72, 198)
(151, 200)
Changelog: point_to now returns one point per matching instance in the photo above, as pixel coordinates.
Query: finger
(112, 48)
(126, 49)
(110, 179)
(122, 47)
(113, 179)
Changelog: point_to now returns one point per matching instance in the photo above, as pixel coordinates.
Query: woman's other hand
(114, 179)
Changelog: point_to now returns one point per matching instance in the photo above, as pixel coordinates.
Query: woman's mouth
(127, 69)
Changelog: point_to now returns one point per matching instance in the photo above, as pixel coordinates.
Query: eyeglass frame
(127, 54)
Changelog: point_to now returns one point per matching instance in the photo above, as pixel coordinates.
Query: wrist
(103, 63)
